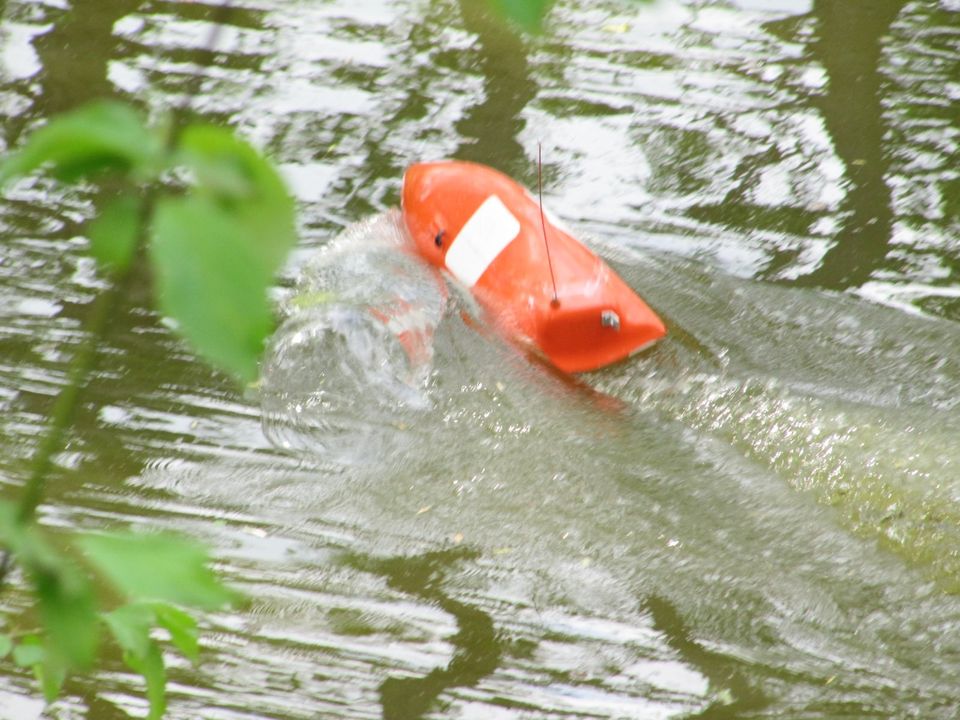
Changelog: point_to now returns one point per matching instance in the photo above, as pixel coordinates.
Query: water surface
(756, 518)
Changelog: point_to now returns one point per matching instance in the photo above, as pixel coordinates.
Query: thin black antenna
(543, 223)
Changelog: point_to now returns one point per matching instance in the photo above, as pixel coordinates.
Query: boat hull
(541, 284)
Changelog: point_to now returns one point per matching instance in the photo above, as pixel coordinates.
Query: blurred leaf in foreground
(31, 653)
(65, 597)
(210, 281)
(182, 628)
(216, 251)
(25, 539)
(160, 567)
(69, 614)
(244, 182)
(114, 233)
(215, 248)
(150, 665)
(102, 135)
(131, 626)
(28, 652)
(528, 14)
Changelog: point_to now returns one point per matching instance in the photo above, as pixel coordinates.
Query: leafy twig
(84, 360)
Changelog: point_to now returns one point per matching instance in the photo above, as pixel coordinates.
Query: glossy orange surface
(486, 230)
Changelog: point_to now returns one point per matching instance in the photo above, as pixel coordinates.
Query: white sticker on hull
(483, 237)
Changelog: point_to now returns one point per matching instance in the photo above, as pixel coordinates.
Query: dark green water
(760, 517)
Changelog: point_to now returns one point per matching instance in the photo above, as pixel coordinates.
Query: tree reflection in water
(849, 45)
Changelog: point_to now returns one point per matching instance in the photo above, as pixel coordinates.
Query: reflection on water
(848, 44)
(489, 129)
(478, 649)
(723, 671)
(761, 522)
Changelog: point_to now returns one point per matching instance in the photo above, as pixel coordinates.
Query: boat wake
(345, 376)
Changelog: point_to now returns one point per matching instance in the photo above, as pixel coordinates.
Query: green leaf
(69, 616)
(216, 252)
(528, 14)
(212, 282)
(102, 135)
(158, 567)
(240, 179)
(26, 541)
(49, 671)
(114, 232)
(150, 665)
(11, 529)
(29, 652)
(130, 626)
(182, 628)
(8, 516)
(13, 532)
(50, 674)
(64, 596)
(6, 645)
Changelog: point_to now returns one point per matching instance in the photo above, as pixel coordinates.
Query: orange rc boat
(540, 283)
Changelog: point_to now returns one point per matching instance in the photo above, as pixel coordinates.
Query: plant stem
(67, 402)
(65, 408)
